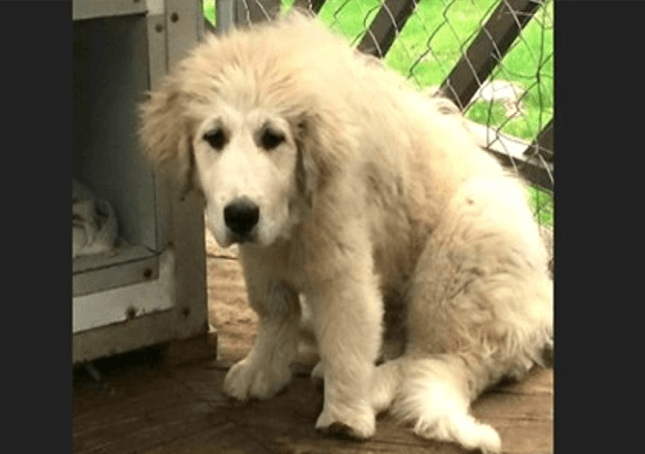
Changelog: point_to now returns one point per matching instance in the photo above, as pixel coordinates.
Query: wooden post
(386, 25)
(543, 145)
(249, 12)
(310, 5)
(488, 49)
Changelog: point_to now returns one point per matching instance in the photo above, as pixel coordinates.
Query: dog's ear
(321, 152)
(321, 148)
(311, 171)
(306, 170)
(165, 134)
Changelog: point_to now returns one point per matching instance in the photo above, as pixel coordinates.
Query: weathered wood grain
(227, 438)
(146, 408)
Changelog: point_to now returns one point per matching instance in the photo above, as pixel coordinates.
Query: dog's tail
(433, 394)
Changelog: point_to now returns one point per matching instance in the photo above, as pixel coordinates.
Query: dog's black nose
(241, 216)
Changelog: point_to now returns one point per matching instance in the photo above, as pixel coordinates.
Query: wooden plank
(183, 30)
(310, 5)
(125, 253)
(92, 9)
(225, 15)
(494, 406)
(285, 423)
(185, 217)
(118, 274)
(543, 145)
(521, 436)
(204, 380)
(182, 410)
(110, 340)
(521, 412)
(137, 407)
(387, 24)
(227, 438)
(200, 347)
(539, 380)
(488, 49)
(510, 152)
(398, 436)
(122, 304)
(249, 12)
(115, 432)
(123, 378)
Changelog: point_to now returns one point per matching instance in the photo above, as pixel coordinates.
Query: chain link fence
(492, 58)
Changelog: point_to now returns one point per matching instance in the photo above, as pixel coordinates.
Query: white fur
(375, 191)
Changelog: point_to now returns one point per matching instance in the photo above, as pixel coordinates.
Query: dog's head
(238, 123)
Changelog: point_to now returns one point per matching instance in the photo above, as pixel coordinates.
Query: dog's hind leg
(386, 385)
(435, 396)
(480, 308)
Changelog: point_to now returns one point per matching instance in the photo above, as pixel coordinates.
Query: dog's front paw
(254, 379)
(356, 424)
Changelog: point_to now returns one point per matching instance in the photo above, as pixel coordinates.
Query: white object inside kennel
(152, 287)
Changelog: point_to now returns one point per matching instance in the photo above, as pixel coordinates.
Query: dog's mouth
(240, 239)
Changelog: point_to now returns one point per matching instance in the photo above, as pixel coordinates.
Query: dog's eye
(216, 138)
(271, 139)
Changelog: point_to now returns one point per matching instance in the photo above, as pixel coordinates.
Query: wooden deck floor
(141, 405)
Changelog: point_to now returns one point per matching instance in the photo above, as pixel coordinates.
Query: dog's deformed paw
(248, 379)
(355, 426)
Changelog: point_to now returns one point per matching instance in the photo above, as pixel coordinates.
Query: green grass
(208, 7)
(432, 42)
(541, 202)
(434, 39)
(530, 63)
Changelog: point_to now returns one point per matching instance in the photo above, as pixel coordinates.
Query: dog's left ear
(165, 133)
(307, 172)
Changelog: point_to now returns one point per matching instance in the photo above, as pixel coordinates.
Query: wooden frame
(389, 21)
(543, 145)
(488, 49)
(154, 292)
(511, 152)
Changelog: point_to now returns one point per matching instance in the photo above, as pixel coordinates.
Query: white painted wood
(92, 9)
(120, 275)
(124, 254)
(126, 314)
(120, 304)
(183, 32)
(225, 15)
(156, 7)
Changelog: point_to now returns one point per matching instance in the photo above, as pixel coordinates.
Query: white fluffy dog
(343, 185)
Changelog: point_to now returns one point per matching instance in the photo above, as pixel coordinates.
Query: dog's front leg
(265, 370)
(347, 315)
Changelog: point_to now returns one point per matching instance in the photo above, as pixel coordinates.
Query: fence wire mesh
(493, 58)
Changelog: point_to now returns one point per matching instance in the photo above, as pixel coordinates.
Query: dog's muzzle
(241, 216)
